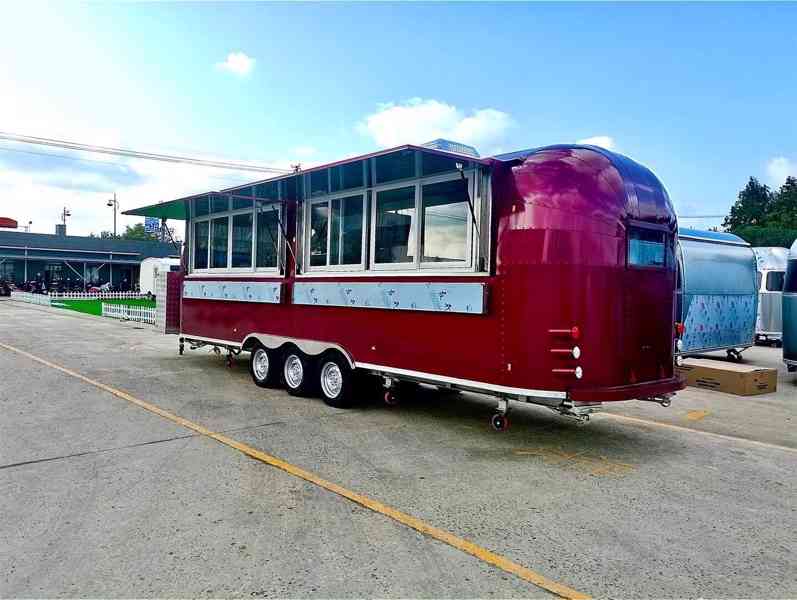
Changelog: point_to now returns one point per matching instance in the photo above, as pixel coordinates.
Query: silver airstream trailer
(771, 265)
(790, 311)
(717, 292)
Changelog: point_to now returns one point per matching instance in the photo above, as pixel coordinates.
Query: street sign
(152, 224)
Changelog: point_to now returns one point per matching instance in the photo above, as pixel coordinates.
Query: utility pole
(115, 205)
(64, 214)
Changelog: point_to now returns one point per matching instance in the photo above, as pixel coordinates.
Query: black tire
(298, 373)
(336, 381)
(270, 376)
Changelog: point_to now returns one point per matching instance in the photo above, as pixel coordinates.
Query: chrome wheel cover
(294, 371)
(331, 380)
(260, 364)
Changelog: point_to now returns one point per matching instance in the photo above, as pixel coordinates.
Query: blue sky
(704, 94)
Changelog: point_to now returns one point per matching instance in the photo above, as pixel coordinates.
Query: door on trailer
(649, 303)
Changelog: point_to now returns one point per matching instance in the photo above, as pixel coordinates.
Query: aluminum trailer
(718, 292)
(771, 266)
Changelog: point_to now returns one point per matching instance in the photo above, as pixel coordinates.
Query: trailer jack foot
(181, 349)
(391, 395)
(734, 355)
(500, 421)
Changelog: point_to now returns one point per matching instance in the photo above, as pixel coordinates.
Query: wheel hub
(260, 364)
(331, 380)
(294, 372)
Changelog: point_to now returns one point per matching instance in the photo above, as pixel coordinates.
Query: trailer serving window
(646, 247)
(335, 232)
(403, 211)
(231, 233)
(427, 225)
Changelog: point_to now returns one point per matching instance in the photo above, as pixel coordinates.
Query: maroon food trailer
(544, 276)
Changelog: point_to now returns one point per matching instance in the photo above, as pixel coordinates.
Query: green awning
(174, 209)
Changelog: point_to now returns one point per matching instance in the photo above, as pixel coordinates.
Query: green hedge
(766, 236)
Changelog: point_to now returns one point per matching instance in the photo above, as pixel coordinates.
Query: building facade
(75, 261)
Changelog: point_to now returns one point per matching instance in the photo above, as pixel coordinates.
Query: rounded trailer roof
(718, 237)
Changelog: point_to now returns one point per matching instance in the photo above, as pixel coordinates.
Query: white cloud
(416, 121)
(604, 141)
(238, 63)
(779, 168)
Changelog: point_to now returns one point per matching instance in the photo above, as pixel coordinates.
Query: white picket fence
(140, 314)
(42, 299)
(96, 295)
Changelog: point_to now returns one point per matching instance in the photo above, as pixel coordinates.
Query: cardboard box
(732, 378)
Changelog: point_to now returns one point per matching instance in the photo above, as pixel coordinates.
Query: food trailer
(544, 276)
(771, 266)
(717, 292)
(790, 311)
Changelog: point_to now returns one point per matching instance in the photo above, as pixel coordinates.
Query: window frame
(307, 216)
(229, 214)
(418, 265)
(666, 244)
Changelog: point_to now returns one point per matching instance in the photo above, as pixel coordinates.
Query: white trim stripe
(491, 387)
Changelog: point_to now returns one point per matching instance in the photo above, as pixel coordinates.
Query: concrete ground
(99, 497)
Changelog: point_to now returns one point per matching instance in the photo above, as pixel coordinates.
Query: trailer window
(201, 232)
(319, 183)
(775, 281)
(201, 206)
(267, 238)
(336, 232)
(346, 231)
(242, 203)
(432, 163)
(347, 176)
(395, 226)
(396, 165)
(219, 204)
(242, 240)
(319, 226)
(268, 190)
(646, 247)
(218, 243)
(445, 222)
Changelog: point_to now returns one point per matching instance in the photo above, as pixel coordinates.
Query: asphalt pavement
(100, 497)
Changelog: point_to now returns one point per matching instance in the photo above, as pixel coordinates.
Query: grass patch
(94, 307)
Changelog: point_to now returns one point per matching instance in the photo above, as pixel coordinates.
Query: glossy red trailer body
(558, 261)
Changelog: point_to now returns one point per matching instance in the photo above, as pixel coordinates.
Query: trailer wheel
(263, 366)
(499, 422)
(336, 381)
(297, 373)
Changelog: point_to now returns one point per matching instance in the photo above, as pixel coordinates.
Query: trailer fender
(309, 347)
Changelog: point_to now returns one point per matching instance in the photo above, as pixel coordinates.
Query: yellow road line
(457, 542)
(722, 436)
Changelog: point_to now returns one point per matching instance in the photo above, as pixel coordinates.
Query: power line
(41, 141)
(101, 162)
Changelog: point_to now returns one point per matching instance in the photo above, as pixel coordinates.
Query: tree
(751, 207)
(767, 236)
(783, 209)
(136, 232)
